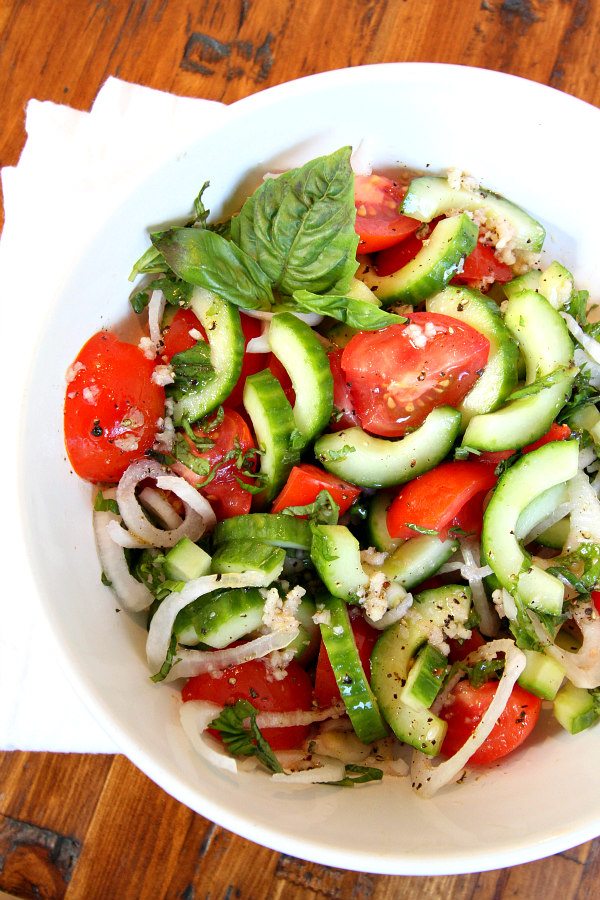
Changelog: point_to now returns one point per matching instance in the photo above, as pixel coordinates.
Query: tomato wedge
(250, 681)
(326, 689)
(306, 481)
(344, 415)
(469, 704)
(111, 408)
(596, 600)
(176, 336)
(379, 222)
(432, 500)
(459, 650)
(399, 374)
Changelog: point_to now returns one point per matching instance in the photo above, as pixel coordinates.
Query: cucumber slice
(304, 358)
(499, 377)
(221, 618)
(268, 528)
(533, 474)
(392, 657)
(530, 281)
(358, 290)
(429, 197)
(369, 461)
(186, 561)
(248, 555)
(587, 419)
(306, 645)
(273, 424)
(335, 553)
(541, 333)
(556, 536)
(522, 421)
(539, 508)
(222, 324)
(350, 676)
(556, 284)
(425, 678)
(432, 268)
(417, 559)
(575, 708)
(542, 675)
(377, 529)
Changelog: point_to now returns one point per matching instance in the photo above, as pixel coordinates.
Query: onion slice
(134, 595)
(298, 717)
(153, 501)
(323, 769)
(585, 512)
(311, 319)
(156, 309)
(428, 778)
(583, 667)
(471, 571)
(589, 344)
(195, 717)
(196, 662)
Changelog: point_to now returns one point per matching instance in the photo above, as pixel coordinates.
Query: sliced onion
(298, 717)
(488, 618)
(585, 512)
(156, 309)
(124, 538)
(161, 627)
(589, 344)
(325, 768)
(427, 778)
(586, 457)
(134, 595)
(198, 512)
(583, 667)
(196, 716)
(392, 615)
(153, 501)
(581, 358)
(197, 662)
(259, 344)
(361, 160)
(311, 319)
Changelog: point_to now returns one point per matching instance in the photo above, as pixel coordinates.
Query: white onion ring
(198, 512)
(195, 717)
(153, 501)
(326, 769)
(161, 627)
(124, 538)
(392, 615)
(589, 344)
(488, 618)
(311, 319)
(361, 160)
(585, 512)
(156, 309)
(583, 667)
(428, 778)
(197, 662)
(134, 595)
(298, 717)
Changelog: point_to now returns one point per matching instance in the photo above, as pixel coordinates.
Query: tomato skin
(515, 724)
(379, 222)
(249, 681)
(306, 481)
(345, 415)
(482, 263)
(117, 379)
(596, 600)
(433, 500)
(556, 432)
(176, 336)
(394, 384)
(252, 362)
(326, 689)
(389, 261)
(224, 494)
(460, 651)
(278, 370)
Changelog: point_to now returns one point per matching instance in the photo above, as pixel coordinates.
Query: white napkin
(75, 167)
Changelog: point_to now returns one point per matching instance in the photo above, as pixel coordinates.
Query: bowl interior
(411, 115)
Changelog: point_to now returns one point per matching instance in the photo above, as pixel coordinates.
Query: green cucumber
(529, 281)
(425, 678)
(377, 529)
(435, 264)
(369, 461)
(268, 528)
(220, 618)
(341, 334)
(428, 197)
(186, 561)
(541, 333)
(499, 378)
(222, 324)
(350, 676)
(556, 284)
(392, 658)
(556, 536)
(300, 352)
(417, 559)
(306, 645)
(587, 418)
(248, 555)
(530, 476)
(335, 553)
(274, 426)
(542, 675)
(520, 422)
(540, 508)
(575, 708)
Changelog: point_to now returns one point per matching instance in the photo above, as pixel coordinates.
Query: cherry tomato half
(379, 222)
(344, 415)
(306, 481)
(556, 432)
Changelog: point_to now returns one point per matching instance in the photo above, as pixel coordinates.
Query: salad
(349, 476)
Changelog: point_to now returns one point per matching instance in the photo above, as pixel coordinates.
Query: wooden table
(93, 826)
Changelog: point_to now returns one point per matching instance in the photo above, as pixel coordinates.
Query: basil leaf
(150, 262)
(530, 389)
(103, 505)
(299, 227)
(243, 741)
(362, 774)
(176, 292)
(204, 258)
(324, 510)
(420, 530)
(356, 313)
(335, 455)
(191, 369)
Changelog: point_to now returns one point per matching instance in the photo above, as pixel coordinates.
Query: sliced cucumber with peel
(379, 535)
(542, 675)
(575, 708)
(433, 267)
(248, 555)
(556, 284)
(541, 333)
(186, 561)
(529, 281)
(278, 530)
(417, 559)
(369, 461)
(425, 678)
(220, 618)
(335, 553)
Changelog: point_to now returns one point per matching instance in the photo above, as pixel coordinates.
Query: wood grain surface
(93, 826)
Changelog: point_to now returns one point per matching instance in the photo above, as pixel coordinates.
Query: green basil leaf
(299, 227)
(191, 369)
(356, 313)
(324, 510)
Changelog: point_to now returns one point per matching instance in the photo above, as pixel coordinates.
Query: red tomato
(111, 408)
(389, 261)
(250, 681)
(344, 414)
(252, 363)
(176, 336)
(556, 432)
(306, 481)
(596, 600)
(225, 495)
(482, 263)
(470, 517)
(465, 712)
(395, 385)
(326, 689)
(379, 222)
(282, 377)
(433, 500)
(460, 650)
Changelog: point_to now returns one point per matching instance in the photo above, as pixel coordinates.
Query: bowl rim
(475, 860)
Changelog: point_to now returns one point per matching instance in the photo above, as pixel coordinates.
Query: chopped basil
(241, 740)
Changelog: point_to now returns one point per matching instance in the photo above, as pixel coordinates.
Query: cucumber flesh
(335, 553)
(541, 333)
(417, 559)
(556, 284)
(556, 536)
(530, 281)
(379, 535)
(268, 528)
(352, 681)
(306, 645)
(542, 675)
(220, 618)
(575, 708)
(378, 462)
(540, 508)
(249, 555)
(186, 561)
(425, 678)
(433, 267)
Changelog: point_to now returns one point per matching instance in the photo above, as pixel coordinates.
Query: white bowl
(537, 146)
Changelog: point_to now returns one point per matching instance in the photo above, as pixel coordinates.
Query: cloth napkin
(75, 167)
